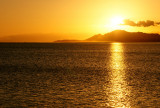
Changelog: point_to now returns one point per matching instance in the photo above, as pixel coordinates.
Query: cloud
(140, 23)
(158, 23)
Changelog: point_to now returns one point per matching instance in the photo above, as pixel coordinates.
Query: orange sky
(71, 19)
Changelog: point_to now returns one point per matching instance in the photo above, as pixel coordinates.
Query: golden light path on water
(119, 92)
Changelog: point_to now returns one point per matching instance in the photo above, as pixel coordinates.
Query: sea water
(74, 75)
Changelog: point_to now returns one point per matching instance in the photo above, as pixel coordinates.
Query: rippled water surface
(80, 75)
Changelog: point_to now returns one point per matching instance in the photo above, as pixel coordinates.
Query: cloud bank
(140, 23)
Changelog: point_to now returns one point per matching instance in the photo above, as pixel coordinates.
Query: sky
(49, 20)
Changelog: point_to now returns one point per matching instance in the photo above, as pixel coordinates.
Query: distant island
(68, 41)
(120, 36)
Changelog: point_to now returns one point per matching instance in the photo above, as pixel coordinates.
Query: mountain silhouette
(124, 36)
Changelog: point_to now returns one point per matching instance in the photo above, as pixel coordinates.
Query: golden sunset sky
(49, 20)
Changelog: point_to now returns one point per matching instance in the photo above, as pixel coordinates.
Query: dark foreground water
(80, 75)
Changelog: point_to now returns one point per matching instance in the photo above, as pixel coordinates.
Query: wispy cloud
(140, 23)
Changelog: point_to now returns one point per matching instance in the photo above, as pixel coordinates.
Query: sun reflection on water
(118, 88)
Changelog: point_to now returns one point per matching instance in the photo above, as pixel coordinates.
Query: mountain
(31, 37)
(124, 36)
(67, 41)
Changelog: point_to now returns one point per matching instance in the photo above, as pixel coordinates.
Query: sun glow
(117, 20)
(116, 23)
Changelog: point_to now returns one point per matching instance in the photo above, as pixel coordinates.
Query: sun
(117, 20)
(116, 23)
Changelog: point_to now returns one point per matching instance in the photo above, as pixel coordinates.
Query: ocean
(75, 75)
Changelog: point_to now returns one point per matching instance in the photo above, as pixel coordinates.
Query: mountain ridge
(124, 36)
(119, 36)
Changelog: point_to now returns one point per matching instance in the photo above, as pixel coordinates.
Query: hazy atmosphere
(50, 20)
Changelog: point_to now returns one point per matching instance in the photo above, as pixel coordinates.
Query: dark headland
(120, 36)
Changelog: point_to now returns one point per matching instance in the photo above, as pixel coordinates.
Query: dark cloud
(158, 23)
(129, 22)
(140, 23)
